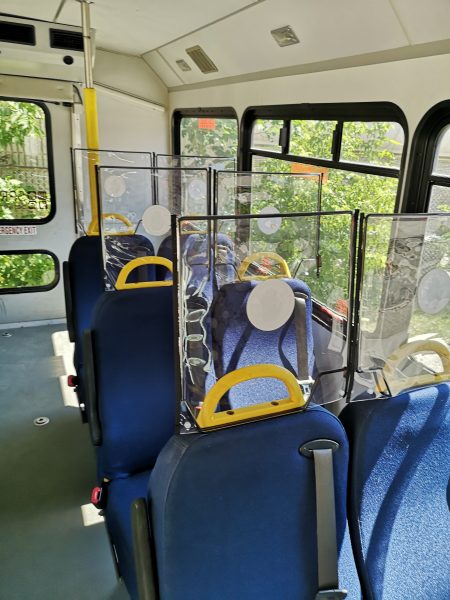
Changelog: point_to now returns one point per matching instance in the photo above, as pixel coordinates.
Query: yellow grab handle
(396, 359)
(122, 284)
(93, 226)
(258, 256)
(208, 417)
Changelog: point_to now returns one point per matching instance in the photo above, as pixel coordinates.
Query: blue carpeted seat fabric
(165, 250)
(134, 364)
(237, 343)
(233, 512)
(121, 494)
(400, 494)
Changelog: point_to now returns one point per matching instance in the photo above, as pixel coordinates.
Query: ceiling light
(201, 59)
(285, 36)
(183, 65)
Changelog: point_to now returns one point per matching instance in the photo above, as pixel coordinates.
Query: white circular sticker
(433, 292)
(197, 189)
(156, 220)
(115, 186)
(271, 224)
(270, 304)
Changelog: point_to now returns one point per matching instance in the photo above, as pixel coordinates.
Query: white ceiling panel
(137, 26)
(327, 30)
(424, 21)
(32, 9)
(163, 70)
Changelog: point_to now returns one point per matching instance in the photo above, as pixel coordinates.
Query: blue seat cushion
(121, 494)
(400, 493)
(134, 367)
(233, 511)
(236, 343)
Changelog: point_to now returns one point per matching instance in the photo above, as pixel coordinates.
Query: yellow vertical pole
(90, 115)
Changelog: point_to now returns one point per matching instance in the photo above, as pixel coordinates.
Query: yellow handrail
(93, 226)
(142, 261)
(255, 258)
(208, 417)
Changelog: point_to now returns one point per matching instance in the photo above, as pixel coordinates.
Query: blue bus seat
(400, 493)
(132, 390)
(120, 250)
(236, 343)
(233, 511)
(165, 250)
(85, 283)
(131, 401)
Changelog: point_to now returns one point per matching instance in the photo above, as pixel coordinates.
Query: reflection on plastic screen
(222, 163)
(404, 325)
(125, 200)
(85, 161)
(183, 191)
(247, 292)
(255, 193)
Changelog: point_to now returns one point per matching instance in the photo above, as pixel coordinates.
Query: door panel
(56, 236)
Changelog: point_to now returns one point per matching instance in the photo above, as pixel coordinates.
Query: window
(428, 184)
(358, 148)
(26, 181)
(205, 132)
(28, 271)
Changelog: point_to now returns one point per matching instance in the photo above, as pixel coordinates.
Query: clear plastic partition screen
(255, 193)
(128, 226)
(84, 164)
(253, 292)
(183, 191)
(222, 163)
(404, 329)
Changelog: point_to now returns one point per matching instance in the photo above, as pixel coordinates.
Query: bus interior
(225, 300)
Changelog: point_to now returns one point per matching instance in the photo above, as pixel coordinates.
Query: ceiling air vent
(183, 65)
(17, 33)
(202, 60)
(66, 40)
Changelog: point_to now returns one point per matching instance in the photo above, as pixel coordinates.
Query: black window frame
(35, 288)
(340, 112)
(420, 178)
(223, 112)
(50, 167)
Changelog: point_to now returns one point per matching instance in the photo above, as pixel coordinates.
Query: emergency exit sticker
(18, 230)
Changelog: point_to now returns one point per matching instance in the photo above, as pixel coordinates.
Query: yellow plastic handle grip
(209, 418)
(121, 283)
(396, 359)
(256, 258)
(93, 226)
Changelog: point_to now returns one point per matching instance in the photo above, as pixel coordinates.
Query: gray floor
(46, 474)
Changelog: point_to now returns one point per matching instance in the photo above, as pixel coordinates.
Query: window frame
(420, 178)
(224, 112)
(50, 166)
(340, 112)
(35, 288)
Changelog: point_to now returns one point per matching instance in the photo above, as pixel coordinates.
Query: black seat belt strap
(301, 337)
(321, 451)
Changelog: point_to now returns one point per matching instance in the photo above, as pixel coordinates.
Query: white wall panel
(424, 21)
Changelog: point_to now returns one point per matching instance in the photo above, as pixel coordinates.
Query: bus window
(25, 189)
(205, 132)
(359, 160)
(28, 271)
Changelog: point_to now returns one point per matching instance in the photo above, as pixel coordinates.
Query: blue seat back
(133, 356)
(86, 284)
(237, 343)
(400, 493)
(121, 249)
(233, 511)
